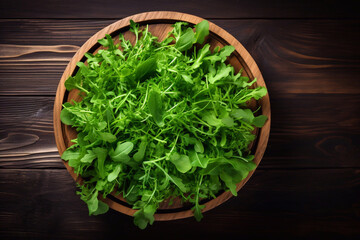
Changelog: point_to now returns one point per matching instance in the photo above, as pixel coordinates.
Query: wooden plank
(203, 8)
(26, 130)
(307, 131)
(42, 204)
(295, 56)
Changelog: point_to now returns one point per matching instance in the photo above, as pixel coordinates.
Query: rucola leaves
(160, 120)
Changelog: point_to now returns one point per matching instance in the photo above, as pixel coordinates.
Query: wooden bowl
(159, 25)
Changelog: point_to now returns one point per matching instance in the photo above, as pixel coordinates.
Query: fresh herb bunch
(159, 120)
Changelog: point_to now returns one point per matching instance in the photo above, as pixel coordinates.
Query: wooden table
(307, 185)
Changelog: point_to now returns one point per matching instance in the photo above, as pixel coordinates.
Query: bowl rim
(243, 56)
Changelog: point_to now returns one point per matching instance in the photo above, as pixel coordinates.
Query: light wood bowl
(159, 25)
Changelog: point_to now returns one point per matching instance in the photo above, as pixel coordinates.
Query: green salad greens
(160, 120)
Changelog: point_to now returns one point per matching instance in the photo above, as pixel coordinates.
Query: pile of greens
(160, 120)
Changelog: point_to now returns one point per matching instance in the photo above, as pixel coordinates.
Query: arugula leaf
(121, 153)
(144, 216)
(71, 83)
(134, 27)
(197, 211)
(146, 69)
(139, 155)
(107, 42)
(225, 52)
(211, 119)
(70, 154)
(101, 154)
(89, 157)
(199, 147)
(114, 174)
(181, 162)
(108, 137)
(93, 203)
(202, 30)
(243, 114)
(124, 148)
(155, 106)
(198, 160)
(227, 176)
(102, 208)
(186, 40)
(66, 117)
(259, 121)
(201, 55)
(222, 72)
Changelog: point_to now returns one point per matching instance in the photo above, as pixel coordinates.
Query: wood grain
(160, 25)
(203, 8)
(26, 133)
(42, 204)
(307, 186)
(308, 131)
(292, 54)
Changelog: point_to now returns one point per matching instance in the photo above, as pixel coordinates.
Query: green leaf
(259, 92)
(145, 216)
(202, 30)
(226, 178)
(93, 203)
(211, 119)
(89, 157)
(197, 211)
(225, 52)
(256, 93)
(201, 55)
(242, 81)
(71, 83)
(100, 184)
(146, 69)
(114, 174)
(243, 114)
(66, 117)
(186, 40)
(70, 154)
(198, 160)
(228, 121)
(139, 155)
(121, 152)
(178, 182)
(223, 139)
(81, 139)
(108, 137)
(259, 121)
(123, 158)
(187, 78)
(101, 154)
(102, 208)
(124, 148)
(222, 72)
(181, 162)
(155, 106)
(212, 168)
(102, 125)
(134, 27)
(199, 147)
(103, 42)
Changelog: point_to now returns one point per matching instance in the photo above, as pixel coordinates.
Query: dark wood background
(308, 184)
